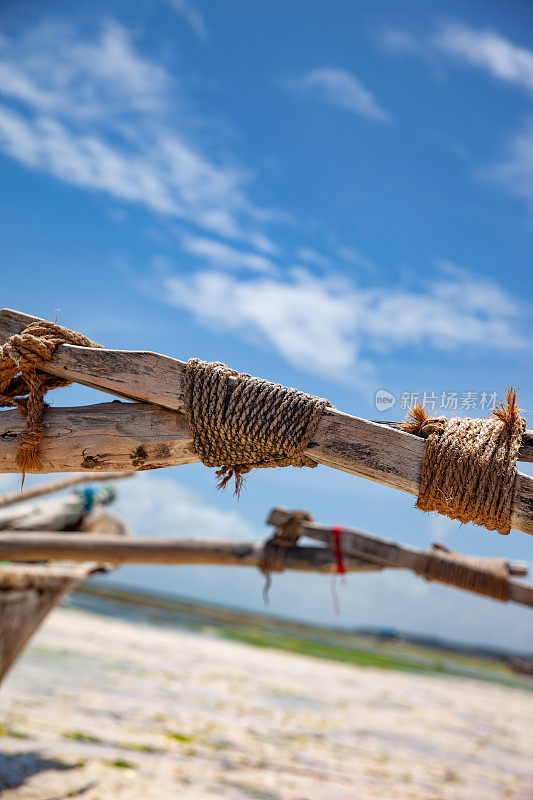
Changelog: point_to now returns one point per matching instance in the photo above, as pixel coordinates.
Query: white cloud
(160, 506)
(340, 88)
(97, 114)
(396, 40)
(515, 170)
(54, 72)
(330, 326)
(307, 321)
(487, 50)
(192, 15)
(223, 255)
(496, 56)
(482, 48)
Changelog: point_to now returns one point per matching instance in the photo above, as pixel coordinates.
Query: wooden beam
(48, 545)
(367, 546)
(107, 437)
(93, 439)
(134, 375)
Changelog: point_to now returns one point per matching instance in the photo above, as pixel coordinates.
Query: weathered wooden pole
(155, 433)
(48, 545)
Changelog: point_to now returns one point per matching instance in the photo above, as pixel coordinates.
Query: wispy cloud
(97, 114)
(485, 49)
(219, 254)
(514, 171)
(340, 88)
(192, 14)
(491, 53)
(330, 326)
(160, 506)
(312, 256)
(53, 71)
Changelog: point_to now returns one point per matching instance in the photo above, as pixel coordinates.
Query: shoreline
(103, 708)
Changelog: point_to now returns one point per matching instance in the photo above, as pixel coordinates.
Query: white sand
(255, 723)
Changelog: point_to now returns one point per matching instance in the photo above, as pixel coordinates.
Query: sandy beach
(106, 709)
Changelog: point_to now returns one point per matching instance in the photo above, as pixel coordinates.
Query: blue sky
(334, 196)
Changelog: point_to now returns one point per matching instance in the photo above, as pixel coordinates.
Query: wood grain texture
(74, 547)
(145, 376)
(134, 375)
(106, 437)
(114, 436)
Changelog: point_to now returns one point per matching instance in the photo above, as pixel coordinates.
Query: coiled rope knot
(486, 576)
(23, 385)
(469, 466)
(240, 423)
(274, 549)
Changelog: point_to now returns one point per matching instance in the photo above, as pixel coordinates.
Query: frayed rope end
(225, 474)
(509, 410)
(415, 419)
(27, 458)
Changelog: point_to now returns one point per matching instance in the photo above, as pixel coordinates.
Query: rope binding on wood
(486, 576)
(23, 385)
(469, 466)
(273, 555)
(240, 423)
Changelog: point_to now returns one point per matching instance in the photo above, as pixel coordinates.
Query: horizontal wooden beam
(108, 437)
(48, 545)
(140, 436)
(118, 437)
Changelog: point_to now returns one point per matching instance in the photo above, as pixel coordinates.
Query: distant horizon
(123, 590)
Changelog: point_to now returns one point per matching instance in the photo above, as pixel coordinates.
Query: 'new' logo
(384, 400)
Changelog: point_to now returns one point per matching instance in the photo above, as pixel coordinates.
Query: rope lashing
(487, 576)
(240, 423)
(469, 466)
(273, 555)
(23, 385)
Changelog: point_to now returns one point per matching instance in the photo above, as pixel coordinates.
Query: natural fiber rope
(274, 549)
(469, 466)
(487, 576)
(23, 385)
(239, 422)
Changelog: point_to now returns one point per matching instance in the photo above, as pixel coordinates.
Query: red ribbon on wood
(337, 531)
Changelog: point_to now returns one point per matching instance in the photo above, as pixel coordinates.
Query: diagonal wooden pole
(30, 493)
(365, 545)
(384, 552)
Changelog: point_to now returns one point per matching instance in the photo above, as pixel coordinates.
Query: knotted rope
(487, 576)
(23, 385)
(274, 549)
(469, 465)
(240, 423)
